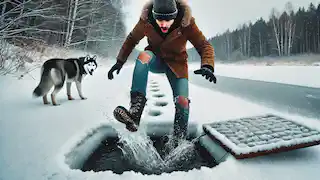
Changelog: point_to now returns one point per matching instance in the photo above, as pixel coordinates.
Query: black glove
(207, 71)
(117, 67)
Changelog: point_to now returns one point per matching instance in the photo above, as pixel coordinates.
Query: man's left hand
(207, 71)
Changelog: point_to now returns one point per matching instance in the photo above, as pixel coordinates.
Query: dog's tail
(45, 83)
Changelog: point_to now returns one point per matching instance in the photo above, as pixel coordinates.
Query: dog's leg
(45, 99)
(56, 90)
(58, 80)
(53, 99)
(69, 91)
(78, 84)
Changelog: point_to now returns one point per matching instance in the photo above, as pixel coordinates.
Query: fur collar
(185, 19)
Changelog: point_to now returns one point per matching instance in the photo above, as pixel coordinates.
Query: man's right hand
(117, 67)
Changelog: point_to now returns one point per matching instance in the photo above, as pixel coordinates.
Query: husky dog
(54, 72)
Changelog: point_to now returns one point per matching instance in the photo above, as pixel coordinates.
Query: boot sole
(121, 114)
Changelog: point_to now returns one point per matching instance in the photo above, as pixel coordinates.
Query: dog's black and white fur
(54, 72)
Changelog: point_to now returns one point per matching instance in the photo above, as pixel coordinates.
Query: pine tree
(283, 34)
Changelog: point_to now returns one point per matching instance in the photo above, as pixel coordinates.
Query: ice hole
(107, 150)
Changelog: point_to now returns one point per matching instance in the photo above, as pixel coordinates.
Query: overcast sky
(216, 16)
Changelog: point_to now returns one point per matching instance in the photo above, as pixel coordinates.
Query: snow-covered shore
(35, 138)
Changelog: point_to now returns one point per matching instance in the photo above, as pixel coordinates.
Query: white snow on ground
(35, 138)
(295, 75)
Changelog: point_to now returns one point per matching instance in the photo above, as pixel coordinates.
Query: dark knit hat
(164, 9)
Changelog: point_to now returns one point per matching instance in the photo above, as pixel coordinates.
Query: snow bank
(13, 58)
(295, 60)
(294, 75)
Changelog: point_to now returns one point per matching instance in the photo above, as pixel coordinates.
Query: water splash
(138, 149)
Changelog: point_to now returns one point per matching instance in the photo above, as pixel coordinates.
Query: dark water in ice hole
(147, 155)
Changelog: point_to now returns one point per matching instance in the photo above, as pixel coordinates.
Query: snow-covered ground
(295, 75)
(307, 59)
(34, 138)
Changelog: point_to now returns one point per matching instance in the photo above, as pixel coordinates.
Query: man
(168, 25)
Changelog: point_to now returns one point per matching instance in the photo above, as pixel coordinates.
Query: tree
(290, 28)
(93, 25)
(318, 28)
(276, 28)
(283, 34)
(16, 17)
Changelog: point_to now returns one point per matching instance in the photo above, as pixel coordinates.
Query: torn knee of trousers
(144, 57)
(182, 101)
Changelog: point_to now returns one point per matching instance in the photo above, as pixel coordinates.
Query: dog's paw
(70, 98)
(83, 98)
(56, 104)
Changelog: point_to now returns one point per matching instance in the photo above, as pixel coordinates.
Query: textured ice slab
(261, 135)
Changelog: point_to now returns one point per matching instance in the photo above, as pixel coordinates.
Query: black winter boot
(132, 117)
(138, 102)
(180, 127)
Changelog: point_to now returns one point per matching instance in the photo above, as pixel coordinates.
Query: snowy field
(295, 75)
(307, 59)
(34, 138)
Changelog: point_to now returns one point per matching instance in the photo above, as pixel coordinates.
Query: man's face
(164, 25)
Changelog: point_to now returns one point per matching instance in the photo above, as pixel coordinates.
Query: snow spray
(139, 150)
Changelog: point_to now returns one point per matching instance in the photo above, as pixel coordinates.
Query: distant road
(283, 97)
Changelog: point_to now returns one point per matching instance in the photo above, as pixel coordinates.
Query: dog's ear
(94, 57)
(86, 58)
